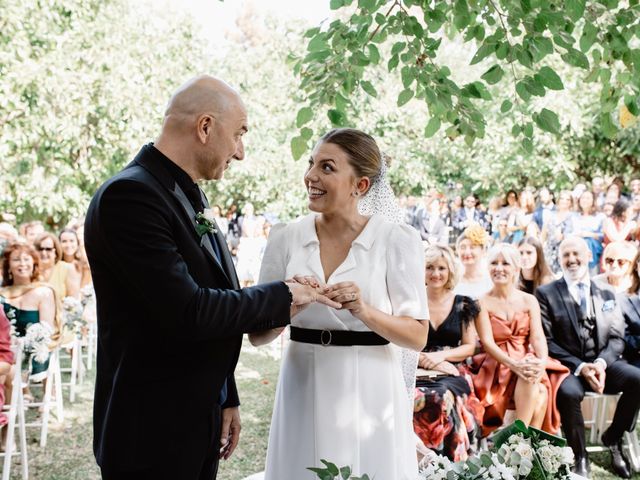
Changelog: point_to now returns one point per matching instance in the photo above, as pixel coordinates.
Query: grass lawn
(68, 455)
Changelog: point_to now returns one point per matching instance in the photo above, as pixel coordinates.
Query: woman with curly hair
(471, 247)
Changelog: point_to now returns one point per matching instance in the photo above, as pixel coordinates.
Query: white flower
(524, 449)
(36, 340)
(208, 214)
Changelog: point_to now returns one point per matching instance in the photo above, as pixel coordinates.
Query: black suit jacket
(170, 318)
(630, 305)
(560, 323)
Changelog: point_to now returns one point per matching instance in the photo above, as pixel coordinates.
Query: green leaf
(306, 133)
(360, 59)
(528, 130)
(506, 106)
(369, 6)
(405, 96)
(345, 473)
(608, 128)
(337, 117)
(408, 75)
(589, 37)
(527, 144)
(374, 54)
(393, 62)
(576, 58)
(631, 103)
(550, 79)
(398, 47)
(305, 115)
(548, 121)
(336, 4)
(332, 468)
(493, 75)
(432, 127)
(522, 91)
(483, 52)
(575, 9)
(369, 88)
(515, 130)
(298, 147)
(318, 43)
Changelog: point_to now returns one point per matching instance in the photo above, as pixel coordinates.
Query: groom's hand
(230, 434)
(303, 295)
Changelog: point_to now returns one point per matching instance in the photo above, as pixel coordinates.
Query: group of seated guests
(36, 276)
(510, 341)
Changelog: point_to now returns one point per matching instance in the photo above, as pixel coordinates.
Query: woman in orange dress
(514, 370)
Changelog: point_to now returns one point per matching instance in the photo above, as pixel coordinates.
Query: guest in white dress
(341, 394)
(471, 248)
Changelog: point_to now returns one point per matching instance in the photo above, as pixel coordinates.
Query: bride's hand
(308, 280)
(348, 295)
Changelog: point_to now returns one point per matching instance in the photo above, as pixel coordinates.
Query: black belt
(340, 338)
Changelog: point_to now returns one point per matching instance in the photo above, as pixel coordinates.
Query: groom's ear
(205, 126)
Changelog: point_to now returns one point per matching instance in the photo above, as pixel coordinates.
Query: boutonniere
(205, 223)
(608, 305)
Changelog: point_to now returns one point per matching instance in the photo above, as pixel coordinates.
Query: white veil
(381, 200)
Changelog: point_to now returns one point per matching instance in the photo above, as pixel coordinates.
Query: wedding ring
(353, 297)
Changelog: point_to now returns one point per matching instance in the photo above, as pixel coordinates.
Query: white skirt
(346, 405)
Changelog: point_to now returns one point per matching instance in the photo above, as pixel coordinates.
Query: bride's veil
(381, 200)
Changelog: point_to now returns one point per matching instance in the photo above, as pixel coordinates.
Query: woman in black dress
(446, 412)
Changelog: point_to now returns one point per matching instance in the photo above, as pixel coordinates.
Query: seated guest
(6, 362)
(61, 275)
(620, 226)
(447, 414)
(514, 370)
(24, 298)
(535, 271)
(469, 215)
(431, 226)
(618, 266)
(471, 247)
(587, 223)
(585, 331)
(73, 253)
(630, 305)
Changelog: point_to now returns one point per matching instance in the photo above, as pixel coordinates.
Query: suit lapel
(224, 251)
(205, 241)
(601, 316)
(634, 300)
(568, 302)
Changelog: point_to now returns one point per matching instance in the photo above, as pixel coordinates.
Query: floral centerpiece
(518, 453)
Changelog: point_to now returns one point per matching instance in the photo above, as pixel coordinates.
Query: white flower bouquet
(72, 314)
(519, 453)
(36, 341)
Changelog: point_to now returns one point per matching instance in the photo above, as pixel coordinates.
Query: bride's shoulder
(299, 226)
(401, 233)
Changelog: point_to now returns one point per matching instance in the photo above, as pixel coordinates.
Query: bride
(341, 394)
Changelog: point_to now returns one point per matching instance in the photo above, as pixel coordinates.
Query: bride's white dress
(347, 405)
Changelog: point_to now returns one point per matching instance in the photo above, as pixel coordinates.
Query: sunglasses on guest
(620, 261)
(46, 249)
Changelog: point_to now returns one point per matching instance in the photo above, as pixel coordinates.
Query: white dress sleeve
(276, 255)
(407, 292)
(405, 273)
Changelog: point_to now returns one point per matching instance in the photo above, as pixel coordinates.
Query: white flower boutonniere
(205, 222)
(608, 305)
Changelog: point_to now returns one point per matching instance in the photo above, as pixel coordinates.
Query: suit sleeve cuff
(601, 361)
(579, 369)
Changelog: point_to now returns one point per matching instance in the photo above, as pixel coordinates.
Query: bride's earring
(356, 194)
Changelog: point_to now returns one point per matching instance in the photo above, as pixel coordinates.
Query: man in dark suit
(469, 214)
(170, 311)
(585, 331)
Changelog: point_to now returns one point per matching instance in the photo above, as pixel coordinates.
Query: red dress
(495, 383)
(6, 355)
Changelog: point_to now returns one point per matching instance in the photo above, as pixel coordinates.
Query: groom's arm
(134, 230)
(232, 393)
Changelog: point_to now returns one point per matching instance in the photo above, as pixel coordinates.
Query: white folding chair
(599, 421)
(51, 399)
(75, 368)
(16, 419)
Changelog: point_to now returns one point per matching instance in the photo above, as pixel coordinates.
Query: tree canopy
(517, 42)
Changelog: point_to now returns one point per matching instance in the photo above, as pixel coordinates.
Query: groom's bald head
(203, 94)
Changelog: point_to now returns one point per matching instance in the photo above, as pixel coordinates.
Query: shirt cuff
(601, 361)
(579, 369)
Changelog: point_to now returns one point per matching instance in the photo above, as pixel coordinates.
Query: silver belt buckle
(322, 337)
